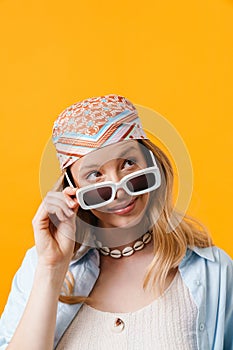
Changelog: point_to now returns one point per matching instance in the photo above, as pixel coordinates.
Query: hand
(54, 228)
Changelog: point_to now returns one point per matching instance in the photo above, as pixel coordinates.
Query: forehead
(107, 153)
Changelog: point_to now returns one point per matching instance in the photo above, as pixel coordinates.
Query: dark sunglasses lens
(141, 182)
(97, 196)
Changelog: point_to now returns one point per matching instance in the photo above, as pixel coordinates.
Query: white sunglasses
(137, 183)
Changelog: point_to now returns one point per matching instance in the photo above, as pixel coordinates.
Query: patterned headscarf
(94, 123)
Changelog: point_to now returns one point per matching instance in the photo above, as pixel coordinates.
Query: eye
(129, 163)
(93, 175)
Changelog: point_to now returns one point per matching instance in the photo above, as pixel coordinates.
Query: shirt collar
(82, 250)
(206, 253)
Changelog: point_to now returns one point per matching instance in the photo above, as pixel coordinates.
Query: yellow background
(172, 56)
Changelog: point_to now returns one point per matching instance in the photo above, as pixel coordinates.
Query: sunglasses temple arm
(68, 180)
(153, 158)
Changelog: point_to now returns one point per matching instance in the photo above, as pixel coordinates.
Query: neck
(118, 237)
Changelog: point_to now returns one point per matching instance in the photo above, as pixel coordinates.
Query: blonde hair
(169, 248)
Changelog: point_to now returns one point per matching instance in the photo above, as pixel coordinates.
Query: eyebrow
(122, 154)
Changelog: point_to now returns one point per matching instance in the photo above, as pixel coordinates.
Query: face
(112, 163)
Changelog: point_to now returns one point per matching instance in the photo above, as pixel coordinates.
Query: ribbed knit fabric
(168, 323)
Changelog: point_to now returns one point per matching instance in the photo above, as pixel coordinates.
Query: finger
(60, 197)
(57, 205)
(70, 190)
(70, 195)
(58, 201)
(58, 212)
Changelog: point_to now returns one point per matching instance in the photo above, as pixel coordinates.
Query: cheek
(143, 204)
(144, 198)
(97, 213)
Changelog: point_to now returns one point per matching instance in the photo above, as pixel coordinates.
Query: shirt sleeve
(18, 297)
(227, 265)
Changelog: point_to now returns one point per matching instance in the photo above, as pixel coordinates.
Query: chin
(129, 222)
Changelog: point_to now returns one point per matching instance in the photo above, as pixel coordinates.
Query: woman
(109, 267)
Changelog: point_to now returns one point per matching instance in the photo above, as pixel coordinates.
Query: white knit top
(168, 323)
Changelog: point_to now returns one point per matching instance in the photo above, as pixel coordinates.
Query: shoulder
(215, 255)
(221, 256)
(225, 263)
(30, 259)
(211, 254)
(212, 261)
(23, 278)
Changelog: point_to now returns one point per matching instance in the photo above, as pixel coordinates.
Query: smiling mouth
(122, 206)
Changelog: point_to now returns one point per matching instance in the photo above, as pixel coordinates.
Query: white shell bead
(146, 238)
(138, 245)
(115, 253)
(127, 251)
(99, 244)
(105, 250)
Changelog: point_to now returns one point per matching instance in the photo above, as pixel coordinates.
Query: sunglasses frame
(116, 185)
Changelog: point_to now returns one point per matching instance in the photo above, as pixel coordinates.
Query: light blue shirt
(207, 272)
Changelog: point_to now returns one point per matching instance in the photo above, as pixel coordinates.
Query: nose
(113, 176)
(120, 193)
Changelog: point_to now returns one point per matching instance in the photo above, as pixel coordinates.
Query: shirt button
(118, 326)
(201, 326)
(198, 283)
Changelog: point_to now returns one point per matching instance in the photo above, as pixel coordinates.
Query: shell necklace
(127, 251)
